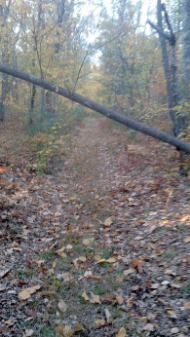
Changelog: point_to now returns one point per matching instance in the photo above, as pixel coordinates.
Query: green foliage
(43, 123)
(185, 290)
(132, 135)
(99, 289)
(44, 148)
(107, 253)
(46, 255)
(167, 255)
(45, 139)
(74, 117)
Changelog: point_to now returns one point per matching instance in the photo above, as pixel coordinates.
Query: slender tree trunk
(185, 54)
(170, 67)
(32, 97)
(5, 60)
(32, 105)
(40, 24)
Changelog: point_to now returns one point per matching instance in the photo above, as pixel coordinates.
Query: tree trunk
(185, 54)
(40, 25)
(109, 113)
(170, 67)
(4, 11)
(32, 104)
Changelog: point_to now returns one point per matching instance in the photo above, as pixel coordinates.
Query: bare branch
(159, 31)
(80, 71)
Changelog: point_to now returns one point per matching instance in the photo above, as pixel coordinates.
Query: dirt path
(106, 242)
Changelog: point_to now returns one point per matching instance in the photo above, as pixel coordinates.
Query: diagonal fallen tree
(109, 113)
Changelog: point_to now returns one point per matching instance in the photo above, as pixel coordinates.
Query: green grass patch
(106, 253)
(99, 289)
(46, 255)
(26, 272)
(167, 255)
(185, 290)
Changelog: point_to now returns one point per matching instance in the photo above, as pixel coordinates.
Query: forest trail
(100, 248)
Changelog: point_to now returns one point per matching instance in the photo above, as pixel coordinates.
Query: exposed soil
(105, 240)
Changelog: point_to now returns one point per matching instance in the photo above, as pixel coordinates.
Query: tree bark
(185, 53)
(170, 67)
(109, 113)
(5, 87)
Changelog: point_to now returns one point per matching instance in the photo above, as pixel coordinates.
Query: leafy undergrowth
(100, 248)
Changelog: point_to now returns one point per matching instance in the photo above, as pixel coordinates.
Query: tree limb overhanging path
(109, 113)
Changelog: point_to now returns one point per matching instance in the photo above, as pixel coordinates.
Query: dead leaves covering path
(103, 250)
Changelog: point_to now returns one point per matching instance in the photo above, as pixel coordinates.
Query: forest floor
(101, 247)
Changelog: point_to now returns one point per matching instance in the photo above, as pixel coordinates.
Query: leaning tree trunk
(109, 113)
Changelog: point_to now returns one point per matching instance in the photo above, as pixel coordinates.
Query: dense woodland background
(94, 216)
(109, 54)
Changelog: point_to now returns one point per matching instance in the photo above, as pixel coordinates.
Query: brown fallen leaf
(129, 302)
(175, 285)
(73, 198)
(96, 278)
(59, 329)
(110, 260)
(107, 297)
(14, 244)
(69, 248)
(119, 299)
(78, 327)
(143, 318)
(82, 259)
(95, 298)
(135, 288)
(62, 306)
(108, 221)
(60, 252)
(128, 271)
(109, 318)
(100, 322)
(25, 293)
(29, 333)
(56, 223)
(138, 238)
(152, 246)
(171, 312)
(122, 333)
(57, 214)
(85, 296)
(76, 264)
(155, 285)
(148, 327)
(67, 331)
(40, 262)
(67, 277)
(174, 330)
(169, 272)
(48, 293)
(97, 257)
(4, 272)
(152, 228)
(187, 239)
(87, 242)
(186, 305)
